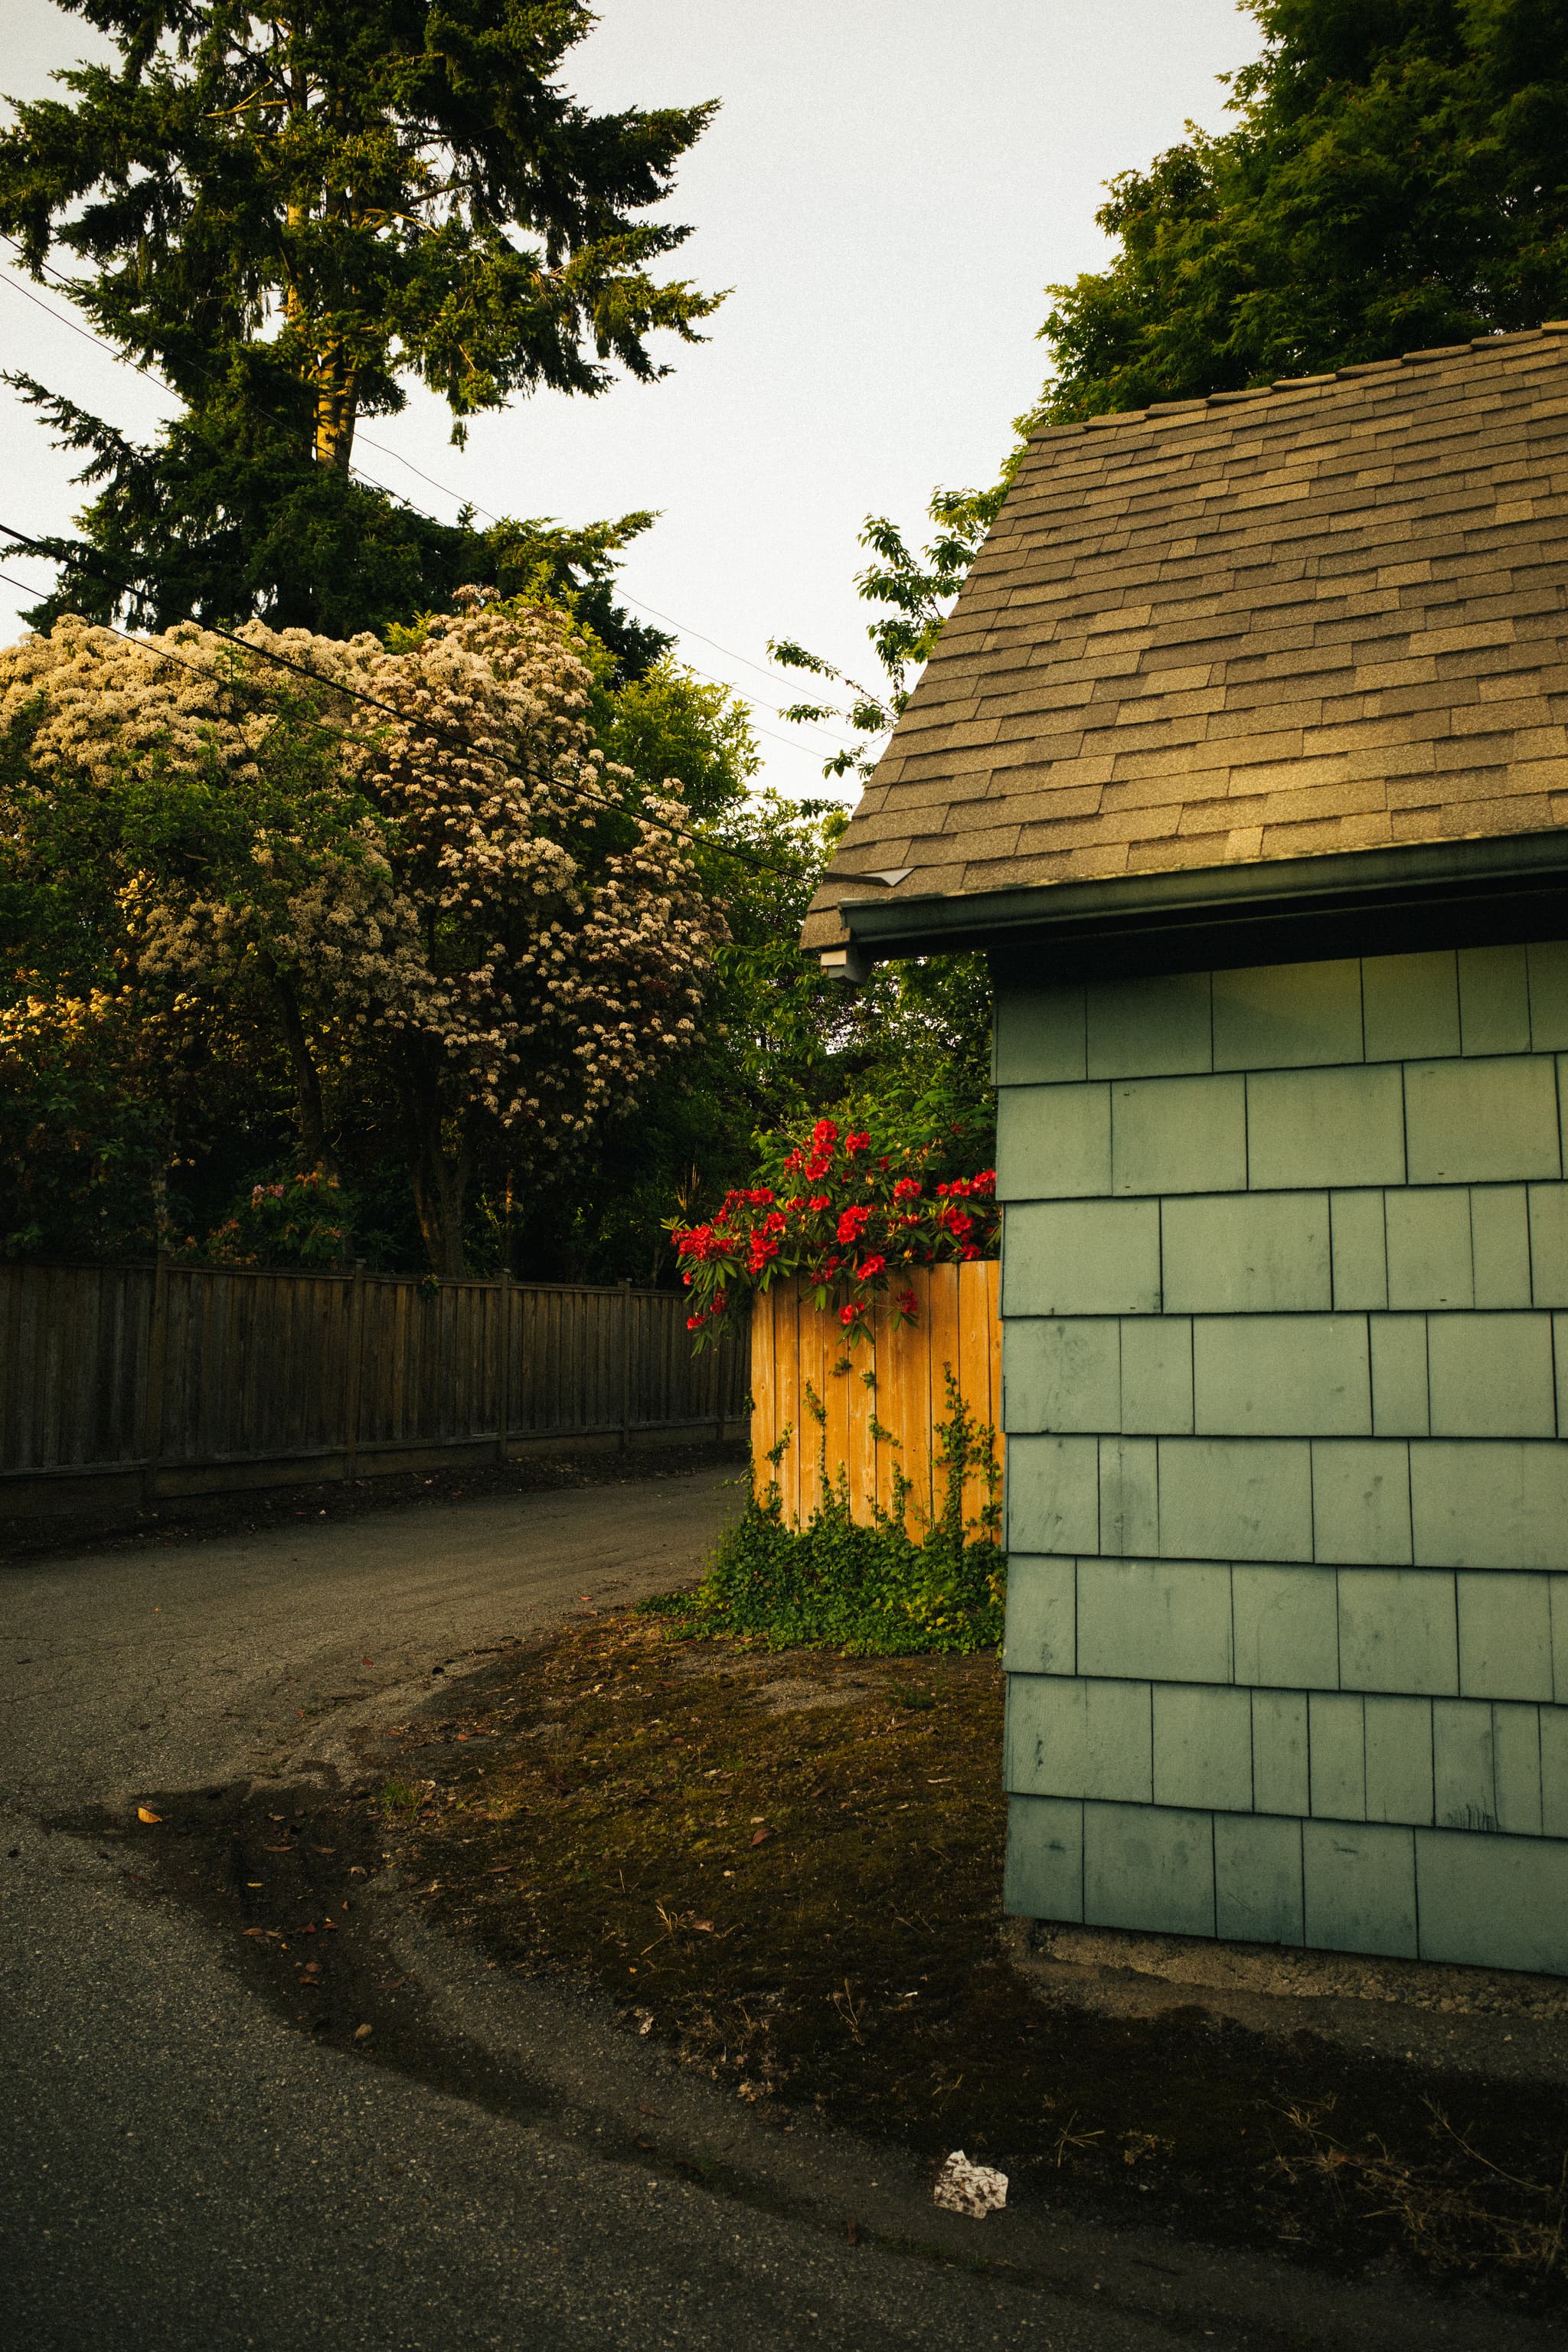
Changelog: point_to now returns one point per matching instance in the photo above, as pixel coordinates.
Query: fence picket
(183, 1369)
(794, 1344)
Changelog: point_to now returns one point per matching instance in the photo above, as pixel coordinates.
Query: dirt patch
(802, 1901)
(793, 1877)
(199, 1518)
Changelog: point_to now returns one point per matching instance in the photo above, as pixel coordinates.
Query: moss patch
(789, 1866)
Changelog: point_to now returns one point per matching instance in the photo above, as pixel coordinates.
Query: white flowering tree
(453, 898)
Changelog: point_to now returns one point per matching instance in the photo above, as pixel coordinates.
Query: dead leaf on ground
(360, 2032)
(145, 1813)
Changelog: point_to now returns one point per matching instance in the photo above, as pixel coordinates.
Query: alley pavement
(182, 2171)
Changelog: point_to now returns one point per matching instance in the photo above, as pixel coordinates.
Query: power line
(123, 360)
(373, 702)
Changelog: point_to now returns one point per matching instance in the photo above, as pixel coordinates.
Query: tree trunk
(315, 1150)
(439, 1177)
(336, 411)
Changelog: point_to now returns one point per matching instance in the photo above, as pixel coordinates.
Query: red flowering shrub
(860, 1219)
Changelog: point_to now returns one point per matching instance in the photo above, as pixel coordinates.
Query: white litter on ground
(972, 2188)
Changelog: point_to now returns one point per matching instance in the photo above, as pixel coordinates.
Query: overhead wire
(123, 359)
(419, 726)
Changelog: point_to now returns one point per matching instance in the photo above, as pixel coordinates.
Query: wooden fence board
(860, 1403)
(979, 1347)
(792, 1345)
(256, 1367)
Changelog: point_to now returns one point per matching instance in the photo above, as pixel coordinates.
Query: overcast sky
(889, 187)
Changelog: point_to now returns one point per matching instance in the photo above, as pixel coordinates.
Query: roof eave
(1471, 893)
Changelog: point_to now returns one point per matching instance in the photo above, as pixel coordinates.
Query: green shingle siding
(1494, 1001)
(1285, 1384)
(1179, 1135)
(1327, 1126)
(1411, 1005)
(1337, 1756)
(1286, 1015)
(1434, 1894)
(1482, 1122)
(1245, 1253)
(1082, 1257)
(1150, 1028)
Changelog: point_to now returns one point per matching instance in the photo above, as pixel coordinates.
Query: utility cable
(373, 702)
(123, 360)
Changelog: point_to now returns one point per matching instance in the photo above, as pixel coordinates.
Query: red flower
(719, 1302)
(695, 1322)
(849, 1226)
(760, 1200)
(762, 1247)
(969, 1250)
(907, 1303)
(852, 1312)
(907, 1188)
(871, 1269)
(824, 1132)
(819, 1201)
(857, 1143)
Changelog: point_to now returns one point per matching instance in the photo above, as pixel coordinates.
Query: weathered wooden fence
(884, 1398)
(183, 1380)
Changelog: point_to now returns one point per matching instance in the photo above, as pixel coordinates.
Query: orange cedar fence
(888, 1419)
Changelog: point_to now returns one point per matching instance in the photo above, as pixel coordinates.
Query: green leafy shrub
(305, 1220)
(872, 1590)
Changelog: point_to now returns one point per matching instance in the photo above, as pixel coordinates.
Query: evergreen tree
(1397, 178)
(288, 217)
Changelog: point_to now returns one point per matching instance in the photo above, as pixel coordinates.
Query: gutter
(1495, 890)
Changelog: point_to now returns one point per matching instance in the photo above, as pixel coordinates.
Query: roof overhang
(1485, 892)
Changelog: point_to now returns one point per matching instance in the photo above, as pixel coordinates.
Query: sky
(888, 188)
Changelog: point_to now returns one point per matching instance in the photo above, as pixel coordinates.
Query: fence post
(352, 1372)
(153, 1403)
(503, 1428)
(626, 1289)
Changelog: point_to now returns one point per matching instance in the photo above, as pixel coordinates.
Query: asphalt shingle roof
(1326, 616)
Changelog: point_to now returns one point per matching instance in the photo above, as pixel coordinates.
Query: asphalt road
(184, 2172)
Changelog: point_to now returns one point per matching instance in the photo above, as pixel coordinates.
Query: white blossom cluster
(435, 882)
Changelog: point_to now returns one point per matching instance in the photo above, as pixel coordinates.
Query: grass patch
(869, 1591)
(788, 1866)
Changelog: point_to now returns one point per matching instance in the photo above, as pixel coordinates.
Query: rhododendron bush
(850, 1212)
(455, 899)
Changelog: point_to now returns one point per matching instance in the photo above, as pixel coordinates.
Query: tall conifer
(289, 213)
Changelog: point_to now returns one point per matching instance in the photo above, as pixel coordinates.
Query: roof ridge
(1356, 370)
